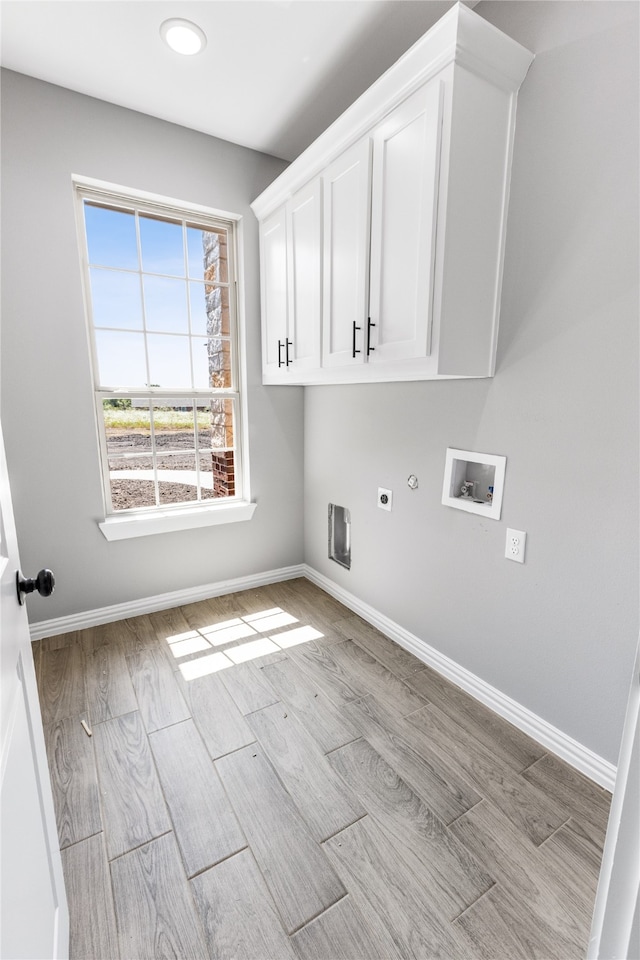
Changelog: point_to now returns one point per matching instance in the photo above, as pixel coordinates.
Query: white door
(406, 153)
(347, 201)
(273, 273)
(304, 236)
(34, 919)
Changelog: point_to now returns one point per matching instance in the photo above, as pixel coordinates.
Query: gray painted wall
(48, 133)
(558, 633)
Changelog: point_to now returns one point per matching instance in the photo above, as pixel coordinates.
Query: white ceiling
(274, 73)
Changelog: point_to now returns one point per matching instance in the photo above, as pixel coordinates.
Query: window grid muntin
(198, 450)
(185, 223)
(198, 221)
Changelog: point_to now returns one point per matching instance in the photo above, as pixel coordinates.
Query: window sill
(167, 521)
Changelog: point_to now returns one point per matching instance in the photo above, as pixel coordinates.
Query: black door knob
(44, 583)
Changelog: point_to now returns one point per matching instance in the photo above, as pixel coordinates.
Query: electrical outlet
(516, 541)
(385, 498)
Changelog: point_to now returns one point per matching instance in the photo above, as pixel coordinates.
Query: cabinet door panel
(273, 255)
(404, 207)
(305, 256)
(346, 188)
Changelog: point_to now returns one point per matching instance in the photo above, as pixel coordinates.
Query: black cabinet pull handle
(354, 338)
(280, 353)
(370, 349)
(288, 343)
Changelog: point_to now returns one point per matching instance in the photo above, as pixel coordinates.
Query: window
(161, 301)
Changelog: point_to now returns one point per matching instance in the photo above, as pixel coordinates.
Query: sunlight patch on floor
(239, 628)
(205, 665)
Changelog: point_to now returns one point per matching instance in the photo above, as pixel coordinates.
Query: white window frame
(142, 521)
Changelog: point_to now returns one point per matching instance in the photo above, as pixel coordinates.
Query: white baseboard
(162, 601)
(586, 761)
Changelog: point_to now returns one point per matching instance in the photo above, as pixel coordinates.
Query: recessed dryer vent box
(340, 535)
(474, 482)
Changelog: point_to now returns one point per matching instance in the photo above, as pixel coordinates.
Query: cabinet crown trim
(460, 36)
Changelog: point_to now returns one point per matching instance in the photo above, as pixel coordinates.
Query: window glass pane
(121, 359)
(221, 424)
(165, 304)
(174, 431)
(162, 247)
(127, 425)
(177, 478)
(207, 253)
(224, 483)
(111, 237)
(206, 476)
(116, 299)
(173, 425)
(198, 308)
(169, 364)
(131, 482)
(211, 362)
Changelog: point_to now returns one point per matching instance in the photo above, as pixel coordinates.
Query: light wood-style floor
(270, 778)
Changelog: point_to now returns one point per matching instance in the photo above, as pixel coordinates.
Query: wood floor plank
(502, 738)
(62, 683)
(393, 693)
(299, 876)
(390, 887)
(457, 879)
(442, 788)
(169, 623)
(248, 688)
(88, 887)
(325, 605)
(533, 812)
(155, 912)
(584, 800)
(394, 657)
(309, 608)
(491, 935)
(137, 634)
(327, 724)
(221, 725)
(238, 914)
(109, 688)
(159, 698)
(61, 640)
(74, 781)
(325, 802)
(317, 661)
(133, 808)
(525, 933)
(204, 823)
(100, 635)
(575, 860)
(521, 867)
(341, 933)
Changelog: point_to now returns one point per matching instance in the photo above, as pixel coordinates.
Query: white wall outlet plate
(385, 498)
(514, 547)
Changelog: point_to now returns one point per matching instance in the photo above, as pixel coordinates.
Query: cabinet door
(346, 192)
(273, 257)
(304, 235)
(406, 151)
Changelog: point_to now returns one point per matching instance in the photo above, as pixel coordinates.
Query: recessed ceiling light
(183, 36)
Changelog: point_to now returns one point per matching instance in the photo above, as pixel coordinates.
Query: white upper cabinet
(406, 158)
(382, 245)
(304, 233)
(347, 191)
(291, 270)
(274, 290)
